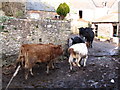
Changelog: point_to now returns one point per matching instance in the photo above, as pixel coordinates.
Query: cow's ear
(72, 38)
(70, 50)
(51, 43)
(59, 46)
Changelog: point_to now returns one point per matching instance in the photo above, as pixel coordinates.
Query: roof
(82, 4)
(101, 3)
(115, 8)
(108, 18)
(91, 4)
(82, 20)
(41, 6)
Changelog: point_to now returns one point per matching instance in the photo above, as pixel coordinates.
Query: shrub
(5, 18)
(19, 14)
(89, 25)
(62, 10)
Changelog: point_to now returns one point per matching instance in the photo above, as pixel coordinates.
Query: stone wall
(1, 11)
(17, 32)
(40, 15)
(15, 9)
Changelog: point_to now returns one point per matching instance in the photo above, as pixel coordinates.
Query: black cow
(75, 39)
(88, 34)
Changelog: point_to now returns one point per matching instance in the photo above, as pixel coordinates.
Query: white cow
(78, 52)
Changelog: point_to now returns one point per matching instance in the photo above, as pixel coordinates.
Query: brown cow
(33, 53)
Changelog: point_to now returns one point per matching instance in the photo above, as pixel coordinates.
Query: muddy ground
(102, 71)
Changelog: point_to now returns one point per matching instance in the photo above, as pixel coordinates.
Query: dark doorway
(80, 13)
(114, 30)
(96, 30)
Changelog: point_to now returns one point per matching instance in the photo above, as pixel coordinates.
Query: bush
(19, 14)
(5, 18)
(62, 10)
(89, 25)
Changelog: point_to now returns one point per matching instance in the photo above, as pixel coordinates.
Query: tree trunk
(62, 17)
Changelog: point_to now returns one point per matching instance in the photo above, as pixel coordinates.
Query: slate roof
(30, 5)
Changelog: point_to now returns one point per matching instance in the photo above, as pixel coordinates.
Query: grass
(102, 37)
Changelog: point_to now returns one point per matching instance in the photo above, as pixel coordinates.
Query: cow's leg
(77, 61)
(85, 60)
(47, 69)
(31, 71)
(27, 69)
(51, 64)
(48, 66)
(53, 67)
(70, 61)
(70, 65)
(91, 44)
(18, 62)
(26, 73)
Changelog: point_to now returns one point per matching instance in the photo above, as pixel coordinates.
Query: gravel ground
(102, 71)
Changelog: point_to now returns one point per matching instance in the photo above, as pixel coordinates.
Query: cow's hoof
(57, 68)
(32, 75)
(84, 68)
(26, 79)
(71, 71)
(47, 73)
(82, 65)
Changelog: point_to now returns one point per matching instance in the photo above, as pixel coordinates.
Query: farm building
(38, 10)
(107, 27)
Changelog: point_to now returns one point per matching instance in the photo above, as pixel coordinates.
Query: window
(114, 30)
(96, 30)
(80, 13)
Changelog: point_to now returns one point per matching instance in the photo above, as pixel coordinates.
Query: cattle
(78, 52)
(75, 39)
(88, 34)
(30, 54)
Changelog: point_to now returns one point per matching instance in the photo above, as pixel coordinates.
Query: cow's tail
(20, 60)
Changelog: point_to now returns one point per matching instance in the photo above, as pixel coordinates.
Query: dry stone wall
(21, 31)
(16, 9)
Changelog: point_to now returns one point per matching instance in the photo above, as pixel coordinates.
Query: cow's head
(58, 49)
(82, 32)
